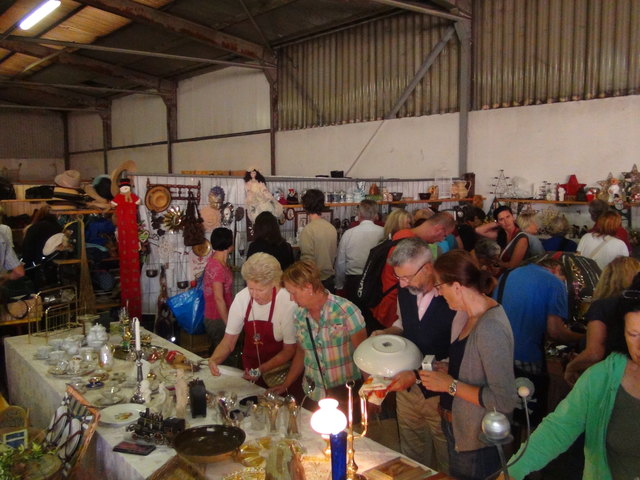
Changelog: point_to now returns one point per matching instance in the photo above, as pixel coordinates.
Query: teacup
(75, 365)
(44, 351)
(56, 355)
(56, 343)
(62, 366)
(110, 393)
(88, 354)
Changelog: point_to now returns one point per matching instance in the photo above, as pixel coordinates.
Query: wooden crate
(195, 343)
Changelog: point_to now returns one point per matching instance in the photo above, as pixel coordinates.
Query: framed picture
(16, 439)
(302, 218)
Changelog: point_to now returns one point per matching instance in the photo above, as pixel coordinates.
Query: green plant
(14, 461)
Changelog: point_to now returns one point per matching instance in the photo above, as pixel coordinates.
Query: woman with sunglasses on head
(480, 372)
(604, 405)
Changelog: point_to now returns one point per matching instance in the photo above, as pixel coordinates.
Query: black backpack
(369, 293)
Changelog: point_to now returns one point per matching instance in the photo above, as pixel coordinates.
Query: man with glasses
(432, 230)
(426, 320)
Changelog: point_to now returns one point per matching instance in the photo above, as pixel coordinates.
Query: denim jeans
(471, 465)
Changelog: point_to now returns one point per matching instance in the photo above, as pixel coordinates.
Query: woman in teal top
(604, 404)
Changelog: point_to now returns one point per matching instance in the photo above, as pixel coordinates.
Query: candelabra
(352, 467)
(138, 397)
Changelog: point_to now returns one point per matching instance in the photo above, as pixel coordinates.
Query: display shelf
(380, 202)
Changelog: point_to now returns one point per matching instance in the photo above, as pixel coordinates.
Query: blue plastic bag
(188, 309)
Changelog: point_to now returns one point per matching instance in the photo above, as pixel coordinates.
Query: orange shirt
(386, 312)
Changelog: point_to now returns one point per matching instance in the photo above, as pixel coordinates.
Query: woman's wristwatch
(453, 388)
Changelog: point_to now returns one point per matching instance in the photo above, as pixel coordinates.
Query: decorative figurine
(561, 193)
(614, 189)
(258, 198)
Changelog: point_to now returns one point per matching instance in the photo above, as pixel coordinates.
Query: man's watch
(453, 388)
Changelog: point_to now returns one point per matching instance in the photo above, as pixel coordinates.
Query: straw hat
(158, 198)
(128, 166)
(68, 179)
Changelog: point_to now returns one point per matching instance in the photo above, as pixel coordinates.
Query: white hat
(68, 179)
(53, 242)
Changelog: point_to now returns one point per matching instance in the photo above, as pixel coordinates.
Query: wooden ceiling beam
(418, 7)
(215, 38)
(78, 61)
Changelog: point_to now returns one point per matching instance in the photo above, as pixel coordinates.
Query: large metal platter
(208, 443)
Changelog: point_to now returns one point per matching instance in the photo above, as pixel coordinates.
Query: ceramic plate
(56, 372)
(119, 415)
(386, 355)
(230, 371)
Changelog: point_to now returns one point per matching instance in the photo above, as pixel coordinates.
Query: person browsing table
(264, 312)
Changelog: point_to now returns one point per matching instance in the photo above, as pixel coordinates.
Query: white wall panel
(85, 131)
(403, 148)
(138, 119)
(88, 164)
(227, 101)
(233, 153)
(148, 159)
(550, 142)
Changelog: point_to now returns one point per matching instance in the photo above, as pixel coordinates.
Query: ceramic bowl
(386, 355)
(397, 196)
(424, 196)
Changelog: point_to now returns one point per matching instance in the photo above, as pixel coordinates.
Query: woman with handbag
(262, 311)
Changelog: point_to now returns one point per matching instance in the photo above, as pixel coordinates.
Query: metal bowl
(209, 443)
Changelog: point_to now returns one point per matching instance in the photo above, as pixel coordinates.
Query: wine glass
(242, 246)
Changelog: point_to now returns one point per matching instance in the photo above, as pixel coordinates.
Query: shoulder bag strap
(599, 247)
(315, 352)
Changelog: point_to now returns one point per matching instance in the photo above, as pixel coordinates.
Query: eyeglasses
(408, 278)
(438, 285)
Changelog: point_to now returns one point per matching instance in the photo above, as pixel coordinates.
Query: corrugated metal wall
(524, 52)
(357, 75)
(544, 51)
(31, 134)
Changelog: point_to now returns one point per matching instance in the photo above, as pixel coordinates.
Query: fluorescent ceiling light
(39, 13)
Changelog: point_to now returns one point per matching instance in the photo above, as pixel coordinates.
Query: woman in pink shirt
(218, 285)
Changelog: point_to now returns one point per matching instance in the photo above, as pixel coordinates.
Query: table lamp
(330, 422)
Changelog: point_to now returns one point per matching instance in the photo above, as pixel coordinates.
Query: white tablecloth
(32, 387)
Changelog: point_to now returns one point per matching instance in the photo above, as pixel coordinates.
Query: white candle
(136, 331)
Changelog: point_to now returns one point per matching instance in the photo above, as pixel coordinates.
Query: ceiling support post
(463, 29)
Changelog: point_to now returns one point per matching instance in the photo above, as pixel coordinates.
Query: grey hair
(262, 268)
(558, 226)
(411, 250)
(487, 248)
(367, 210)
(525, 219)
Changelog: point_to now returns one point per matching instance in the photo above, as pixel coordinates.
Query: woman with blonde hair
(616, 277)
(601, 244)
(558, 227)
(397, 220)
(264, 312)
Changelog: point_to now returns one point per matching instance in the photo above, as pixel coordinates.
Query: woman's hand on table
(213, 367)
(436, 381)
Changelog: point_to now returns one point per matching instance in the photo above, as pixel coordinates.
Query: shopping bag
(188, 309)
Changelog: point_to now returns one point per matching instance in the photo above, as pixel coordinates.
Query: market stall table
(31, 386)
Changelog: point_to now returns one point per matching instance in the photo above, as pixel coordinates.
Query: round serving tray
(209, 443)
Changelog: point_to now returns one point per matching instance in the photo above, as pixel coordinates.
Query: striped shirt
(339, 321)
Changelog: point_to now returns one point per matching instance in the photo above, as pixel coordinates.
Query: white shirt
(611, 248)
(283, 327)
(354, 249)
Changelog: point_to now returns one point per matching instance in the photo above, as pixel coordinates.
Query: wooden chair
(70, 431)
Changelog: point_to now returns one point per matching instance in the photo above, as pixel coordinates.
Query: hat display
(68, 179)
(158, 198)
(52, 243)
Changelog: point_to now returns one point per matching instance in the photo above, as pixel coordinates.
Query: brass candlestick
(352, 467)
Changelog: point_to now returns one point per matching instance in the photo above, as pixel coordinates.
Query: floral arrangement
(14, 461)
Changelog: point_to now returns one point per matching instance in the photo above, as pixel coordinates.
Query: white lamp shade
(386, 355)
(328, 420)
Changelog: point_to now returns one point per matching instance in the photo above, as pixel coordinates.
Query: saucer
(94, 386)
(41, 357)
(104, 402)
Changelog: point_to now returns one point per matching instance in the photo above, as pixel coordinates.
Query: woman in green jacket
(604, 404)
